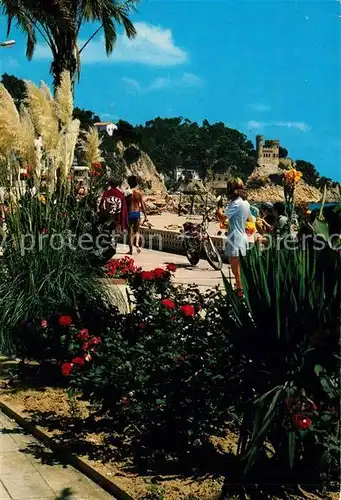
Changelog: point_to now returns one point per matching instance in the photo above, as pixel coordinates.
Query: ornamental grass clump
(46, 266)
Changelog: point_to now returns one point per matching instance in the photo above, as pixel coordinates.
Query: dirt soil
(50, 409)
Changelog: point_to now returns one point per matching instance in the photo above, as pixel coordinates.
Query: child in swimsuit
(135, 205)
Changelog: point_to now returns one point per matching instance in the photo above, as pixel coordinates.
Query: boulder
(140, 164)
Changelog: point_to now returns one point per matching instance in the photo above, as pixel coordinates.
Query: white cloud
(12, 63)
(255, 124)
(108, 116)
(186, 80)
(261, 108)
(152, 46)
(160, 83)
(131, 84)
(191, 80)
(302, 126)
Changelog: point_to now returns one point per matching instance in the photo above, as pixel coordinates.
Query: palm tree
(59, 22)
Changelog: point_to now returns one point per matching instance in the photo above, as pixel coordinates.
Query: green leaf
(70, 392)
(292, 447)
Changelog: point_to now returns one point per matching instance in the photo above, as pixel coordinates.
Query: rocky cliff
(265, 184)
(138, 163)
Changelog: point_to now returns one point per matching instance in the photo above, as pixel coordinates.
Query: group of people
(270, 220)
(124, 209)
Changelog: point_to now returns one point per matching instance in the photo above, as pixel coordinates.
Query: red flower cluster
(78, 361)
(171, 268)
(65, 320)
(168, 304)
(25, 176)
(83, 335)
(88, 345)
(155, 274)
(187, 310)
(121, 268)
(148, 275)
(66, 369)
(96, 170)
(301, 421)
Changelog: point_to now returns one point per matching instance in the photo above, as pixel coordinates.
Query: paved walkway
(202, 275)
(29, 471)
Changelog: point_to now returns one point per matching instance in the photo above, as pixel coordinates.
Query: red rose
(159, 273)
(65, 320)
(125, 401)
(148, 275)
(43, 323)
(78, 361)
(301, 421)
(66, 369)
(83, 334)
(43, 230)
(171, 268)
(168, 303)
(96, 341)
(188, 310)
(86, 346)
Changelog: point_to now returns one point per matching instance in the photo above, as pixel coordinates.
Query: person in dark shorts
(135, 205)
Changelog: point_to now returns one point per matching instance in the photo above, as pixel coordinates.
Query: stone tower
(267, 155)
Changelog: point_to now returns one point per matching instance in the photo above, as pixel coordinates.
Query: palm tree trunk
(66, 60)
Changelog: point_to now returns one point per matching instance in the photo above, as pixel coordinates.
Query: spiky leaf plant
(286, 338)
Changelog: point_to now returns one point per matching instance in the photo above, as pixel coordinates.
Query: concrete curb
(78, 463)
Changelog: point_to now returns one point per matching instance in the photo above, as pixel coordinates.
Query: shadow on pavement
(65, 494)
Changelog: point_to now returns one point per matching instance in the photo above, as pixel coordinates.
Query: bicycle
(196, 239)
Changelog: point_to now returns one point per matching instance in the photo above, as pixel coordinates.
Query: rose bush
(161, 372)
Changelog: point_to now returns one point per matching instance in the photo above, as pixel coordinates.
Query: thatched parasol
(193, 187)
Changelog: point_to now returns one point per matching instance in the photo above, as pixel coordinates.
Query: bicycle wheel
(212, 254)
(192, 250)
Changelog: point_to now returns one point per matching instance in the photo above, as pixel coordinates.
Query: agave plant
(286, 338)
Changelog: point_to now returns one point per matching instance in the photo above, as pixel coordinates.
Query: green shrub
(164, 373)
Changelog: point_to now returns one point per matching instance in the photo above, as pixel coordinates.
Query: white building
(187, 173)
(108, 127)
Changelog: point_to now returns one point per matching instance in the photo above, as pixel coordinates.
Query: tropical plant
(59, 24)
(286, 336)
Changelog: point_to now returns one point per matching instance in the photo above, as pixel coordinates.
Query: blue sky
(270, 67)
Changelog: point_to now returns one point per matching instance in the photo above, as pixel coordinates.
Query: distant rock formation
(138, 163)
(265, 184)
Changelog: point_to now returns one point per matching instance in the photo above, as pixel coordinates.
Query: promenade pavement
(29, 471)
(202, 275)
